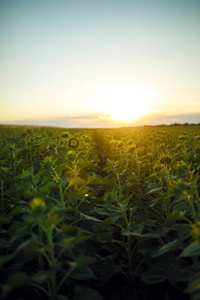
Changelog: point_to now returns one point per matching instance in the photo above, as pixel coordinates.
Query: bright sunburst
(126, 103)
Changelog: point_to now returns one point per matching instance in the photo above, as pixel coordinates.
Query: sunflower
(73, 142)
(36, 207)
(196, 231)
(87, 139)
(65, 135)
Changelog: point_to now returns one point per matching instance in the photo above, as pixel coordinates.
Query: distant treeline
(159, 125)
(173, 124)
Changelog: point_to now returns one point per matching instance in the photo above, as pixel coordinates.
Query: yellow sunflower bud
(73, 142)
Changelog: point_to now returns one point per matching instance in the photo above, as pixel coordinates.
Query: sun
(126, 102)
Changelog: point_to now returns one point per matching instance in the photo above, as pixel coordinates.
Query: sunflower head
(24, 134)
(196, 231)
(73, 142)
(165, 159)
(182, 137)
(87, 139)
(29, 131)
(198, 137)
(71, 155)
(36, 207)
(65, 135)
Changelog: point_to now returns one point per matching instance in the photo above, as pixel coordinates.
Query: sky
(99, 63)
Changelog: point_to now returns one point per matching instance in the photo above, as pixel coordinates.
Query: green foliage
(84, 210)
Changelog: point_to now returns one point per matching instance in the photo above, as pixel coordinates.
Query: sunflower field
(100, 213)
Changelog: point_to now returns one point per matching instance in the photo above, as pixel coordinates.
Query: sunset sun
(126, 102)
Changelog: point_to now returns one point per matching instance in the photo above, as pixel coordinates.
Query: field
(100, 213)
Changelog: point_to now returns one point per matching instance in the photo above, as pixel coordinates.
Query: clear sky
(82, 63)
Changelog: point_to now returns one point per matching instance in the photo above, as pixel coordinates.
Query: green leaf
(31, 250)
(61, 210)
(6, 258)
(139, 235)
(94, 180)
(109, 182)
(89, 218)
(4, 220)
(135, 230)
(83, 273)
(76, 194)
(17, 279)
(185, 274)
(184, 231)
(154, 191)
(133, 177)
(181, 206)
(76, 181)
(14, 281)
(40, 277)
(66, 227)
(155, 275)
(86, 293)
(112, 219)
(172, 218)
(192, 250)
(108, 269)
(36, 179)
(72, 241)
(133, 209)
(171, 246)
(18, 210)
(85, 260)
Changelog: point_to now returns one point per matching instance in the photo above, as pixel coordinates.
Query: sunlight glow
(126, 102)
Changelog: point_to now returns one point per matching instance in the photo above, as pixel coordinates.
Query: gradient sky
(60, 60)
